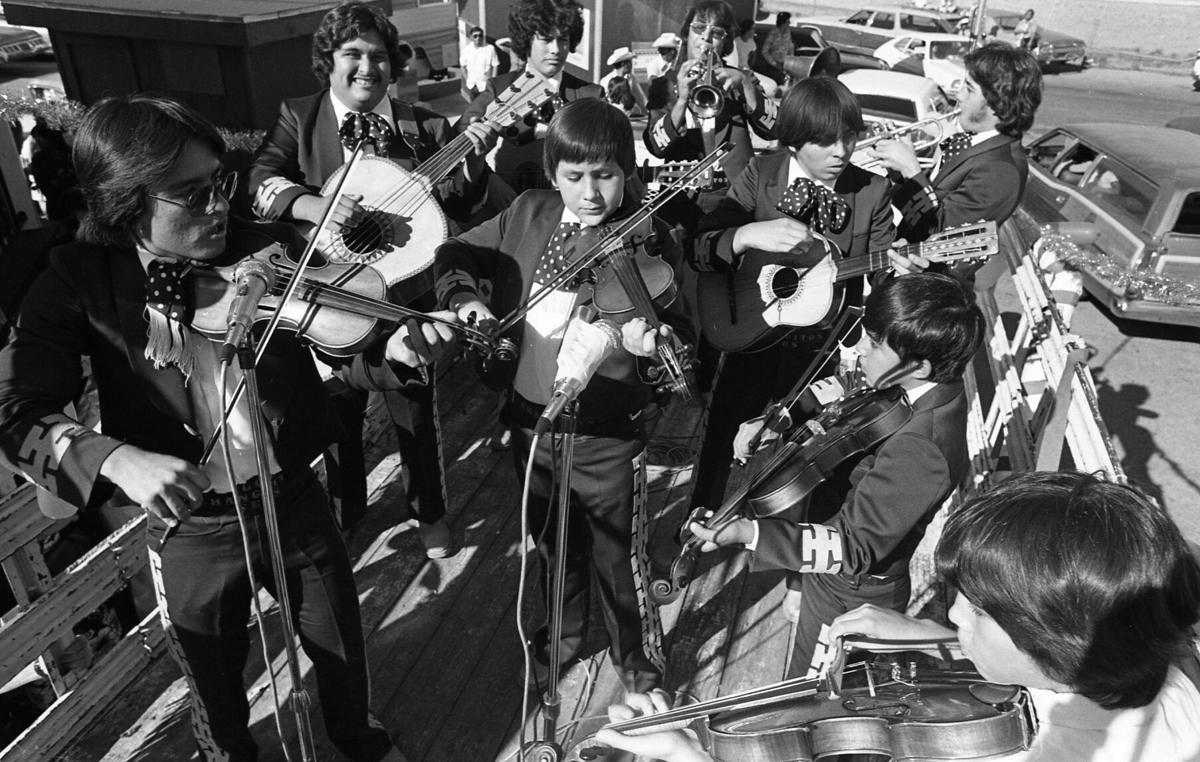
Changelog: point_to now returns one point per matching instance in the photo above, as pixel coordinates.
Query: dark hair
(349, 21)
(783, 18)
(1011, 81)
(818, 110)
(745, 25)
(589, 129)
(475, 29)
(1090, 579)
(546, 17)
(717, 13)
(620, 94)
(926, 316)
(124, 146)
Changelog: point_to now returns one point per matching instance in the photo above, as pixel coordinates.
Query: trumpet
(706, 99)
(928, 137)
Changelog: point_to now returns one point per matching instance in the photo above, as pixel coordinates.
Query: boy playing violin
(863, 523)
(1081, 590)
(589, 156)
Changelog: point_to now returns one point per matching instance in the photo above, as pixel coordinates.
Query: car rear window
(1188, 222)
(888, 106)
(919, 23)
(944, 49)
(1117, 187)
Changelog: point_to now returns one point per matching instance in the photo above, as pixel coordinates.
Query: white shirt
(1072, 728)
(477, 62)
(203, 390)
(383, 109)
(797, 171)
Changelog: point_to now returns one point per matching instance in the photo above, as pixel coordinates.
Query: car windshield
(888, 107)
(949, 49)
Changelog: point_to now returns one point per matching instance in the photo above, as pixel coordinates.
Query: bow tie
(955, 144)
(558, 252)
(373, 127)
(814, 204)
(168, 313)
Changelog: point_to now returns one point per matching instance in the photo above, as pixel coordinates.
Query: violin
(844, 428)
(888, 710)
(627, 279)
(338, 308)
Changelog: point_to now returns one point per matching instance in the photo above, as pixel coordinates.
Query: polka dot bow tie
(955, 144)
(815, 205)
(558, 251)
(167, 290)
(356, 126)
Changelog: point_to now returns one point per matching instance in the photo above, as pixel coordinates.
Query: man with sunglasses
(157, 214)
(479, 62)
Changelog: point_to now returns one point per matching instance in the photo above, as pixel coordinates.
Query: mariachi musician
(157, 213)
(686, 121)
(355, 53)
(543, 33)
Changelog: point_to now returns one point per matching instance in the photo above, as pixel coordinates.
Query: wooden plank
(77, 592)
(22, 521)
(58, 726)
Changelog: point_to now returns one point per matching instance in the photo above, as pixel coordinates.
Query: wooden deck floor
(442, 640)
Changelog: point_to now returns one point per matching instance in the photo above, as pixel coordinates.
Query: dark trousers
(204, 599)
(745, 385)
(824, 597)
(413, 411)
(606, 542)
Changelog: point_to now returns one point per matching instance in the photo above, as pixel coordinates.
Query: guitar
(754, 307)
(404, 224)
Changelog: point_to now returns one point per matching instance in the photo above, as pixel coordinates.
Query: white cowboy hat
(667, 40)
(620, 55)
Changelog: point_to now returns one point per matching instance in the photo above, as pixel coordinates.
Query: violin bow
(616, 233)
(288, 292)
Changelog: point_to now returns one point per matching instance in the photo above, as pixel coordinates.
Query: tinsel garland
(65, 115)
(1137, 284)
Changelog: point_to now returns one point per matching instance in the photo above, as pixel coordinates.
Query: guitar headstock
(526, 93)
(973, 241)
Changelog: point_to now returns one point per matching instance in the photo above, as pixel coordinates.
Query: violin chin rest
(995, 694)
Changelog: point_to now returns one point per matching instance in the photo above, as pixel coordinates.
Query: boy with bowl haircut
(589, 156)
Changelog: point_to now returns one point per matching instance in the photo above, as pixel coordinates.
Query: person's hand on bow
(667, 745)
(164, 485)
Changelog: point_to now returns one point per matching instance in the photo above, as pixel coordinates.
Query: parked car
(861, 33)
(1132, 194)
(18, 42)
(892, 99)
(806, 38)
(1051, 47)
(937, 56)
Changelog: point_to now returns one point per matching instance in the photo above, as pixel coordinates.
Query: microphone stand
(548, 749)
(298, 699)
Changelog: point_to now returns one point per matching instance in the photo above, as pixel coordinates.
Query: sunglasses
(706, 30)
(202, 200)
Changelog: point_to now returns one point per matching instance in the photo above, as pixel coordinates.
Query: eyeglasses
(202, 200)
(708, 30)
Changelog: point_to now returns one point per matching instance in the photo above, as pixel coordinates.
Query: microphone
(253, 279)
(585, 346)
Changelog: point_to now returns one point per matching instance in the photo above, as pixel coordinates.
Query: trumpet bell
(706, 101)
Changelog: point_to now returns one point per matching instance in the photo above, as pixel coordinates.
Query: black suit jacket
(303, 149)
(984, 182)
(90, 302)
(880, 503)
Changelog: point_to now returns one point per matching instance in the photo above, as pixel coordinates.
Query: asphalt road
(1145, 374)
